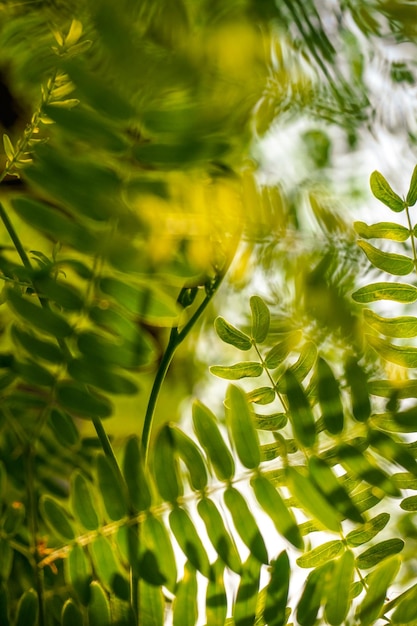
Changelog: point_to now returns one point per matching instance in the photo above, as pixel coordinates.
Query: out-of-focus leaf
(220, 538)
(274, 612)
(83, 505)
(229, 334)
(260, 319)
(396, 264)
(310, 498)
(245, 524)
(33, 373)
(216, 599)
(409, 504)
(333, 490)
(165, 466)
(111, 488)
(151, 605)
(99, 606)
(71, 614)
(191, 456)
(275, 421)
(110, 352)
(402, 327)
(338, 597)
(41, 318)
(312, 595)
(185, 604)
(135, 477)
(262, 395)
(405, 613)
(405, 480)
(276, 355)
(398, 292)
(411, 198)
(27, 609)
(37, 347)
(392, 450)
(240, 422)
(300, 413)
(322, 554)
(368, 531)
(4, 605)
(406, 356)
(78, 573)
(100, 376)
(357, 381)
(156, 540)
(212, 442)
(383, 230)
(104, 560)
(366, 498)
(373, 555)
(79, 402)
(62, 294)
(57, 518)
(273, 504)
(363, 467)
(328, 392)
(189, 540)
(63, 427)
(247, 594)
(246, 369)
(383, 192)
(377, 584)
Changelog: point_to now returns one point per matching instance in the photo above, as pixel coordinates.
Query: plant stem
(15, 238)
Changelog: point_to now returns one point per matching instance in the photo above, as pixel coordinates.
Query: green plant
(134, 193)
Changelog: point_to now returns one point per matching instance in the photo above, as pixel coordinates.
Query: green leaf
(357, 381)
(405, 613)
(409, 504)
(75, 399)
(328, 392)
(240, 422)
(276, 355)
(216, 599)
(247, 594)
(33, 373)
(41, 318)
(402, 327)
(364, 467)
(156, 540)
(338, 597)
(37, 347)
(382, 230)
(274, 612)
(64, 429)
(373, 555)
(83, 505)
(245, 524)
(322, 554)
(305, 362)
(332, 489)
(246, 369)
(411, 198)
(396, 264)
(300, 413)
(151, 605)
(110, 352)
(385, 388)
(368, 531)
(273, 504)
(260, 319)
(8, 147)
(406, 356)
(57, 518)
(62, 294)
(220, 538)
(189, 540)
(366, 498)
(165, 466)
(398, 292)
(135, 476)
(185, 609)
(263, 395)
(104, 560)
(275, 421)
(98, 606)
(71, 614)
(310, 498)
(383, 192)
(4, 605)
(27, 609)
(405, 480)
(312, 595)
(111, 488)
(78, 573)
(100, 376)
(210, 438)
(377, 584)
(230, 334)
(190, 454)
(392, 450)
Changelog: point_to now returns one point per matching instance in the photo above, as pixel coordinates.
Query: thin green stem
(413, 243)
(15, 238)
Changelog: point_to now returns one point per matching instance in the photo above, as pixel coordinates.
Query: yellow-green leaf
(230, 334)
(246, 369)
(338, 597)
(98, 606)
(406, 613)
(368, 530)
(190, 454)
(83, 505)
(409, 504)
(396, 264)
(245, 524)
(322, 554)
(8, 147)
(189, 540)
(382, 230)
(300, 413)
(274, 612)
(185, 608)
(218, 535)
(311, 499)
(363, 466)
(411, 198)
(260, 319)
(263, 395)
(209, 436)
(402, 327)
(406, 356)
(383, 192)
(377, 584)
(240, 422)
(373, 555)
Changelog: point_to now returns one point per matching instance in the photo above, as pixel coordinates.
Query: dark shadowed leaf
(392, 450)
(64, 428)
(37, 347)
(83, 506)
(274, 612)
(27, 609)
(98, 606)
(156, 541)
(100, 376)
(328, 391)
(312, 596)
(247, 593)
(40, 317)
(190, 454)
(300, 413)
(79, 402)
(377, 582)
(373, 555)
(364, 467)
(357, 381)
(71, 614)
(216, 599)
(111, 488)
(165, 466)
(57, 518)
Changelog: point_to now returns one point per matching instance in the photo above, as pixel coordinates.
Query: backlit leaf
(383, 230)
(260, 319)
(383, 192)
(364, 467)
(189, 540)
(368, 531)
(406, 356)
(263, 395)
(305, 361)
(396, 264)
(151, 605)
(111, 488)
(156, 539)
(300, 413)
(377, 584)
(191, 456)
(411, 198)
(104, 560)
(402, 327)
(322, 554)
(79, 402)
(392, 450)
(405, 613)
(212, 441)
(338, 597)
(218, 535)
(185, 603)
(247, 369)
(274, 612)
(275, 421)
(245, 524)
(273, 504)
(216, 599)
(311, 598)
(83, 505)
(378, 552)
(328, 392)
(78, 573)
(229, 334)
(240, 422)
(57, 518)
(98, 606)
(165, 466)
(398, 292)
(310, 498)
(357, 381)
(8, 147)
(135, 477)
(247, 594)
(409, 504)
(277, 354)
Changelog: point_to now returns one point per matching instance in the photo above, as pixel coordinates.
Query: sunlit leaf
(189, 540)
(383, 230)
(402, 327)
(273, 504)
(338, 598)
(105, 563)
(240, 422)
(212, 441)
(328, 392)
(229, 334)
(57, 518)
(247, 369)
(322, 554)
(383, 192)
(262, 395)
(276, 355)
(8, 147)
(152, 605)
(83, 506)
(311, 499)
(409, 504)
(275, 421)
(406, 356)
(185, 603)
(392, 450)
(300, 413)
(311, 598)
(396, 264)
(364, 467)
(260, 319)
(247, 594)
(377, 584)
(245, 524)
(373, 555)
(368, 531)
(411, 198)
(398, 292)
(216, 599)
(98, 606)
(218, 534)
(366, 498)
